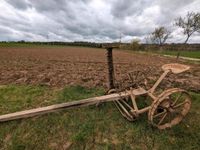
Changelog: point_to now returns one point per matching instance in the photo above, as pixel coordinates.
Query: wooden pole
(56, 107)
(68, 105)
(110, 67)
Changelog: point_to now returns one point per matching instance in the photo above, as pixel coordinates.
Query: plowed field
(65, 66)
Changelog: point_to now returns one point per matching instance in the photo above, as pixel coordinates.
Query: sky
(92, 20)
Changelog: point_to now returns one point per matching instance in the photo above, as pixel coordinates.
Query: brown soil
(60, 67)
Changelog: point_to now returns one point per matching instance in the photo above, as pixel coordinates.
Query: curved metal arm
(158, 81)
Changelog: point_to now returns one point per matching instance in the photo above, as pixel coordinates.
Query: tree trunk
(187, 39)
(178, 54)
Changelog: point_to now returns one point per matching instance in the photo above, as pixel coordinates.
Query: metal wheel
(170, 108)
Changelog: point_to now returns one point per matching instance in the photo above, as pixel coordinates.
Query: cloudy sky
(91, 20)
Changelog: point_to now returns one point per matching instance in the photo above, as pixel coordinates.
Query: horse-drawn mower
(166, 109)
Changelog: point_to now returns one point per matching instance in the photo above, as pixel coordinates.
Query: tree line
(189, 24)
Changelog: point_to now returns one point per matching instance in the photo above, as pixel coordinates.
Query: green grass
(91, 127)
(190, 54)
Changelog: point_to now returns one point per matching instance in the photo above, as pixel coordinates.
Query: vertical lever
(110, 67)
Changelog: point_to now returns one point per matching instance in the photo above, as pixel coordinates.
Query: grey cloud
(19, 4)
(49, 5)
(124, 8)
(100, 20)
(171, 10)
(4, 31)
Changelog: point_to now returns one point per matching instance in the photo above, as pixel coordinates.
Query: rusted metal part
(175, 68)
(168, 110)
(122, 107)
(158, 81)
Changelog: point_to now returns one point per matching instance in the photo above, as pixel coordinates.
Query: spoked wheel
(170, 108)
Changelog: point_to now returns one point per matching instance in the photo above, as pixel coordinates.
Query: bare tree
(189, 24)
(160, 35)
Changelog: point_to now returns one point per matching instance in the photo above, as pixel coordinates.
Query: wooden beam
(67, 105)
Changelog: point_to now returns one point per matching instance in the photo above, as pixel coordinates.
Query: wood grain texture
(67, 105)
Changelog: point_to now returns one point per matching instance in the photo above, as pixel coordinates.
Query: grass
(191, 54)
(92, 127)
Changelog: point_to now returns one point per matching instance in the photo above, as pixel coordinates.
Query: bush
(135, 44)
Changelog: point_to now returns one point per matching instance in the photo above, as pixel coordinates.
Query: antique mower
(166, 109)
